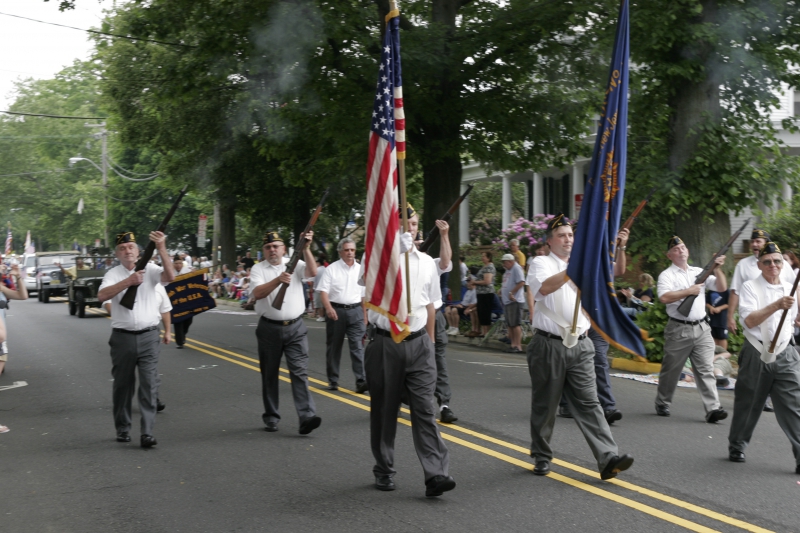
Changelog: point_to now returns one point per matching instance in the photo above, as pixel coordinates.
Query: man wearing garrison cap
(561, 363)
(688, 336)
(282, 331)
(763, 372)
(135, 336)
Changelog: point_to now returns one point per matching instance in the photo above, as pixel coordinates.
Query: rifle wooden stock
(434, 234)
(783, 315)
(631, 219)
(687, 303)
(299, 248)
(129, 298)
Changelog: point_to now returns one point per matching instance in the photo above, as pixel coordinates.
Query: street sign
(201, 230)
(578, 204)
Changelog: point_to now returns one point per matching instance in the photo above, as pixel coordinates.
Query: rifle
(129, 298)
(434, 234)
(783, 316)
(298, 252)
(631, 219)
(688, 302)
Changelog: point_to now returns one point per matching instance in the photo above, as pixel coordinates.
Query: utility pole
(104, 168)
(215, 239)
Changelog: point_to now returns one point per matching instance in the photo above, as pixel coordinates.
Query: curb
(476, 343)
(629, 365)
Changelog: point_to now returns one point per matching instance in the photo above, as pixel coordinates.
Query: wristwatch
(623, 248)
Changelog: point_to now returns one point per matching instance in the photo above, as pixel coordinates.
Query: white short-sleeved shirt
(145, 311)
(164, 305)
(424, 280)
(470, 298)
(464, 272)
(538, 271)
(511, 277)
(294, 303)
(748, 302)
(747, 269)
(341, 283)
(675, 278)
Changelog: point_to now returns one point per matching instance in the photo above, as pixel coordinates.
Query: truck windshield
(49, 260)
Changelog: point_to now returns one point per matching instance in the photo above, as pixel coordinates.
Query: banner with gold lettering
(591, 265)
(189, 295)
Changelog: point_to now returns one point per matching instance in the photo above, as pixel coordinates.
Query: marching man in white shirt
(761, 372)
(688, 336)
(561, 363)
(283, 332)
(343, 300)
(135, 336)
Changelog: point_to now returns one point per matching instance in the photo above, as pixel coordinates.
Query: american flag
(384, 279)
(9, 241)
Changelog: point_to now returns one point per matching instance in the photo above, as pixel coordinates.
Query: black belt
(690, 323)
(138, 332)
(551, 336)
(343, 306)
(282, 322)
(411, 337)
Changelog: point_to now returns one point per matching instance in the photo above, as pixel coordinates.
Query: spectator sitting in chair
(465, 309)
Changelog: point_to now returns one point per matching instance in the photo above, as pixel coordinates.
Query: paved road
(216, 470)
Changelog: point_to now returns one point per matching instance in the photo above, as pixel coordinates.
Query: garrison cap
(769, 248)
(673, 241)
(759, 234)
(411, 211)
(270, 237)
(557, 221)
(123, 238)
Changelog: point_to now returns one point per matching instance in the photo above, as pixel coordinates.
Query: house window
(556, 195)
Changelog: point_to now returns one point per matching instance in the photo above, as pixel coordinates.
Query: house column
(506, 220)
(577, 188)
(538, 194)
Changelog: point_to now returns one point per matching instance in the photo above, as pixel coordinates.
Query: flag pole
(574, 331)
(401, 171)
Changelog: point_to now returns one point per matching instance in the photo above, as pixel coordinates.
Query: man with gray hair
(343, 300)
(513, 245)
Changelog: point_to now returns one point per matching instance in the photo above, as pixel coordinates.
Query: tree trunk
(692, 104)
(227, 230)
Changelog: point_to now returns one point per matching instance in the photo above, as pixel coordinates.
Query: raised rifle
(687, 303)
(631, 219)
(434, 234)
(783, 315)
(298, 252)
(129, 298)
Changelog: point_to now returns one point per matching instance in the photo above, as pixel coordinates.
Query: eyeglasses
(271, 246)
(770, 262)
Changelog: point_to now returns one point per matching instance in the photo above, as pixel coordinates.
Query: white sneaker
(320, 319)
(452, 331)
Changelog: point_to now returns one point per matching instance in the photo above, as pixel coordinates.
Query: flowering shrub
(528, 232)
(484, 231)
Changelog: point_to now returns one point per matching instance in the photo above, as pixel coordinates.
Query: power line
(101, 32)
(49, 116)
(39, 172)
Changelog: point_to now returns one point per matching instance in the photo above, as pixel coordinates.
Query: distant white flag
(30, 248)
(80, 206)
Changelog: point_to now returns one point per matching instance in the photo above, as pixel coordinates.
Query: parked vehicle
(82, 291)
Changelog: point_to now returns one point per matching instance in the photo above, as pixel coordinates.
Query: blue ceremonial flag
(591, 261)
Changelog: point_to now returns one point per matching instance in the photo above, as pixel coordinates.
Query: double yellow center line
(446, 430)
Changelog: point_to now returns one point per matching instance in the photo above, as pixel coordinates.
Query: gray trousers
(682, 341)
(601, 371)
(274, 341)
(129, 351)
(350, 324)
(554, 369)
(780, 380)
(442, 392)
(396, 370)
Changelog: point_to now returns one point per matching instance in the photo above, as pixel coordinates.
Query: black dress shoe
(662, 410)
(563, 412)
(542, 468)
(123, 436)
(797, 470)
(333, 386)
(361, 386)
(612, 415)
(447, 416)
(436, 486)
(160, 406)
(616, 465)
(179, 346)
(309, 424)
(148, 441)
(736, 457)
(271, 427)
(716, 415)
(384, 483)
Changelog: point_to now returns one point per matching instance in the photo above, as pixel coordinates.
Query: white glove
(406, 242)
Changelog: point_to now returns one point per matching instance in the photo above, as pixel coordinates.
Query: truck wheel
(45, 296)
(73, 308)
(80, 303)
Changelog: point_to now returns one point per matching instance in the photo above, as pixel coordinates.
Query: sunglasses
(770, 262)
